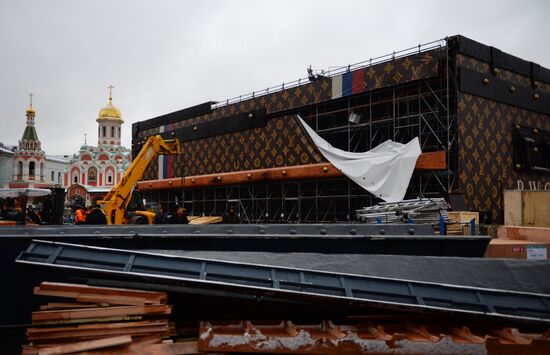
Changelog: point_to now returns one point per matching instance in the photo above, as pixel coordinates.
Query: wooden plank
(100, 312)
(145, 323)
(534, 234)
(76, 289)
(99, 333)
(75, 338)
(86, 345)
(67, 305)
(40, 292)
(463, 216)
(513, 208)
(182, 348)
(89, 320)
(206, 220)
(119, 300)
(426, 161)
(177, 348)
(538, 214)
(7, 223)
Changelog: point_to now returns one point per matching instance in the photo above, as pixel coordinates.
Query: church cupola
(110, 121)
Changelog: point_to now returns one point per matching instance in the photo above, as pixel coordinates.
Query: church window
(75, 179)
(59, 178)
(104, 131)
(112, 131)
(31, 169)
(92, 175)
(20, 168)
(53, 176)
(110, 179)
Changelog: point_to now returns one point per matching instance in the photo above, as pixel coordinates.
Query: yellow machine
(116, 202)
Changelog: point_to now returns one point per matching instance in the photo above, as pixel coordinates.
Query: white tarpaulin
(385, 171)
(20, 192)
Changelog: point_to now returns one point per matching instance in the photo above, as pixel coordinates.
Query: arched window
(59, 178)
(31, 170)
(104, 131)
(53, 176)
(92, 175)
(75, 179)
(20, 168)
(112, 131)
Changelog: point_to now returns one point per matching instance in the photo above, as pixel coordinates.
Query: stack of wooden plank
(109, 319)
(459, 222)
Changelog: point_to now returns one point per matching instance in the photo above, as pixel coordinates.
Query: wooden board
(67, 305)
(83, 313)
(513, 208)
(206, 220)
(74, 290)
(94, 331)
(463, 216)
(534, 234)
(86, 345)
(178, 348)
(536, 208)
(527, 208)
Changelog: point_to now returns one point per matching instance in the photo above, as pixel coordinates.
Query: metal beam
(213, 275)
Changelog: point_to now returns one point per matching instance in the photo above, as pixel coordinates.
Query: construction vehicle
(115, 204)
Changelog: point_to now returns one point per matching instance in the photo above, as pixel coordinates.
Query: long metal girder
(284, 238)
(314, 285)
(228, 230)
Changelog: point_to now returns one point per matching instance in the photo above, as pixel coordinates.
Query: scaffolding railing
(421, 48)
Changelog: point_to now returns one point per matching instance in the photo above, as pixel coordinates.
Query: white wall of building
(54, 169)
(6, 166)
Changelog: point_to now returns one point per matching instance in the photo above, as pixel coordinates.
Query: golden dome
(110, 112)
(31, 111)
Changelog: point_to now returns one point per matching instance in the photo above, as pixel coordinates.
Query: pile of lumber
(110, 320)
(459, 222)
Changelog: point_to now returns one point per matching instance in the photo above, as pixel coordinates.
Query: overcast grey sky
(163, 56)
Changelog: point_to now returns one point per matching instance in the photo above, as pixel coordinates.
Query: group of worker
(179, 218)
(93, 215)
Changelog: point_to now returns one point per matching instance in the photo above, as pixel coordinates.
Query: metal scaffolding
(423, 108)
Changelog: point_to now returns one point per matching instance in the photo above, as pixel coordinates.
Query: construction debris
(98, 318)
(367, 337)
(422, 211)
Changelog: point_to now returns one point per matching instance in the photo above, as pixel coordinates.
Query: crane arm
(118, 199)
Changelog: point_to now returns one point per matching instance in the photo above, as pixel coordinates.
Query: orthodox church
(31, 166)
(95, 170)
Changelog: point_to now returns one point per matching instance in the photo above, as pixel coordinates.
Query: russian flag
(165, 161)
(348, 83)
(165, 166)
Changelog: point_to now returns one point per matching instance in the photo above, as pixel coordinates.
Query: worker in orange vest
(80, 217)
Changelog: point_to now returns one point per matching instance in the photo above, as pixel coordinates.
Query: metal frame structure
(425, 108)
